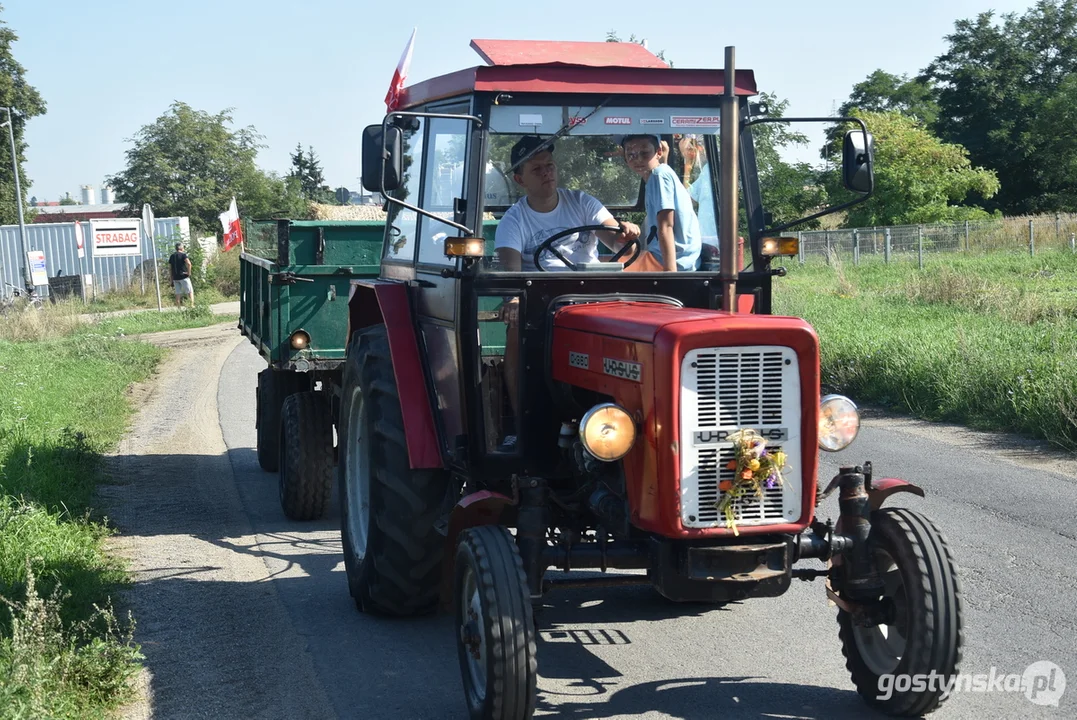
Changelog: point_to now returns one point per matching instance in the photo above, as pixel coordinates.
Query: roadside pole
(147, 226)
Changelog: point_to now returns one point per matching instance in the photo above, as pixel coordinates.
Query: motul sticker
(579, 360)
(652, 121)
(715, 437)
(623, 369)
(619, 120)
(695, 121)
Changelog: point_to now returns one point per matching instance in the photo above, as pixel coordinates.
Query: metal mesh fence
(912, 243)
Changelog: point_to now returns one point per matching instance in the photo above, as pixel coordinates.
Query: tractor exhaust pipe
(729, 136)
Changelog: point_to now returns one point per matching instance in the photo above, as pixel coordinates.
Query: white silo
(108, 195)
(87, 194)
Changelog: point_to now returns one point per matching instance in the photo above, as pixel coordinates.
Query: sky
(316, 72)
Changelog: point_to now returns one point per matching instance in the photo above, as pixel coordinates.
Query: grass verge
(66, 319)
(63, 652)
(132, 299)
(987, 341)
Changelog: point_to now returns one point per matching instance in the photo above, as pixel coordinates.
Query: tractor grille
(728, 389)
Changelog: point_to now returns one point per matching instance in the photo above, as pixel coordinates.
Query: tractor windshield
(550, 169)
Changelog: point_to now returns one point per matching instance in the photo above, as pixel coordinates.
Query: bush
(223, 273)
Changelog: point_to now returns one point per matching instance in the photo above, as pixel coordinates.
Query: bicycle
(19, 300)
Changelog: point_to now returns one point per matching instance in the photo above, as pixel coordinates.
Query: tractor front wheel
(921, 634)
(495, 628)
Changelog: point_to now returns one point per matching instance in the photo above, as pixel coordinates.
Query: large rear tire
(306, 456)
(274, 386)
(495, 627)
(923, 634)
(392, 550)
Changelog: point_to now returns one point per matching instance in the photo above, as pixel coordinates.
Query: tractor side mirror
(857, 161)
(382, 158)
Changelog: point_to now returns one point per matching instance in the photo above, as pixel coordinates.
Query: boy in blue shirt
(669, 206)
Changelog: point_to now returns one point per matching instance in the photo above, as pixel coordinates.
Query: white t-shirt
(523, 229)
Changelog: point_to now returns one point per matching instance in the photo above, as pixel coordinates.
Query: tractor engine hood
(641, 355)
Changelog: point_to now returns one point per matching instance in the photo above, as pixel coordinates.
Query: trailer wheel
(273, 387)
(306, 456)
(392, 550)
(495, 627)
(923, 633)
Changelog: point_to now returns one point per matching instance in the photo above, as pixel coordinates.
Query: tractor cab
(463, 149)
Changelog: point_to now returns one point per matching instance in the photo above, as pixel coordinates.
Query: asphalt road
(1008, 509)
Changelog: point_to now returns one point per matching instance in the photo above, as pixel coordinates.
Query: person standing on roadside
(179, 274)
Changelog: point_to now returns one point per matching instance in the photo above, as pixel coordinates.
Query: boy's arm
(666, 240)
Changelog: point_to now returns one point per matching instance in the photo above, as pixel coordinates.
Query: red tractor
(504, 415)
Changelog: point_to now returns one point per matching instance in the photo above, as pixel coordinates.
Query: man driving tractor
(546, 210)
(543, 211)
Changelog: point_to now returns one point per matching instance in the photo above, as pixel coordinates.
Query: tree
(789, 191)
(17, 93)
(191, 163)
(918, 178)
(1057, 173)
(885, 92)
(307, 171)
(994, 83)
(68, 200)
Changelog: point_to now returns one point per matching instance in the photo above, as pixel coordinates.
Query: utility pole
(18, 202)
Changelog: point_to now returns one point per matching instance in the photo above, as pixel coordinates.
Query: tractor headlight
(300, 340)
(607, 431)
(839, 422)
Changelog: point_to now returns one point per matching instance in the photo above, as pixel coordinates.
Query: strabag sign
(694, 121)
(116, 237)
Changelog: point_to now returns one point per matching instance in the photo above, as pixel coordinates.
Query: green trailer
(295, 280)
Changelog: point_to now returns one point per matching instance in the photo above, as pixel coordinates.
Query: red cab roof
(573, 68)
(545, 52)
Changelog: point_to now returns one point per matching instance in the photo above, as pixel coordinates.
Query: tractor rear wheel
(495, 626)
(923, 631)
(392, 549)
(306, 456)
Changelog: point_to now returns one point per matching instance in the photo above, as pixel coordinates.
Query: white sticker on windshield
(530, 119)
(652, 121)
(694, 121)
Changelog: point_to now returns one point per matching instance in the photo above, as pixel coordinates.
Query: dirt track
(183, 529)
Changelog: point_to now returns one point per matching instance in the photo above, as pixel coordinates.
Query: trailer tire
(274, 386)
(392, 549)
(306, 456)
(927, 606)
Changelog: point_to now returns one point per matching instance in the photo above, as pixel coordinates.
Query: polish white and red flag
(233, 230)
(396, 87)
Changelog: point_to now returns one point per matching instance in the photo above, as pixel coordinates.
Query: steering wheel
(547, 245)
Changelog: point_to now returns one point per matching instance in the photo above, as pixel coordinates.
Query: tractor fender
(883, 488)
(377, 301)
(478, 508)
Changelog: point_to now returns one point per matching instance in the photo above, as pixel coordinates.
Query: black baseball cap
(527, 145)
